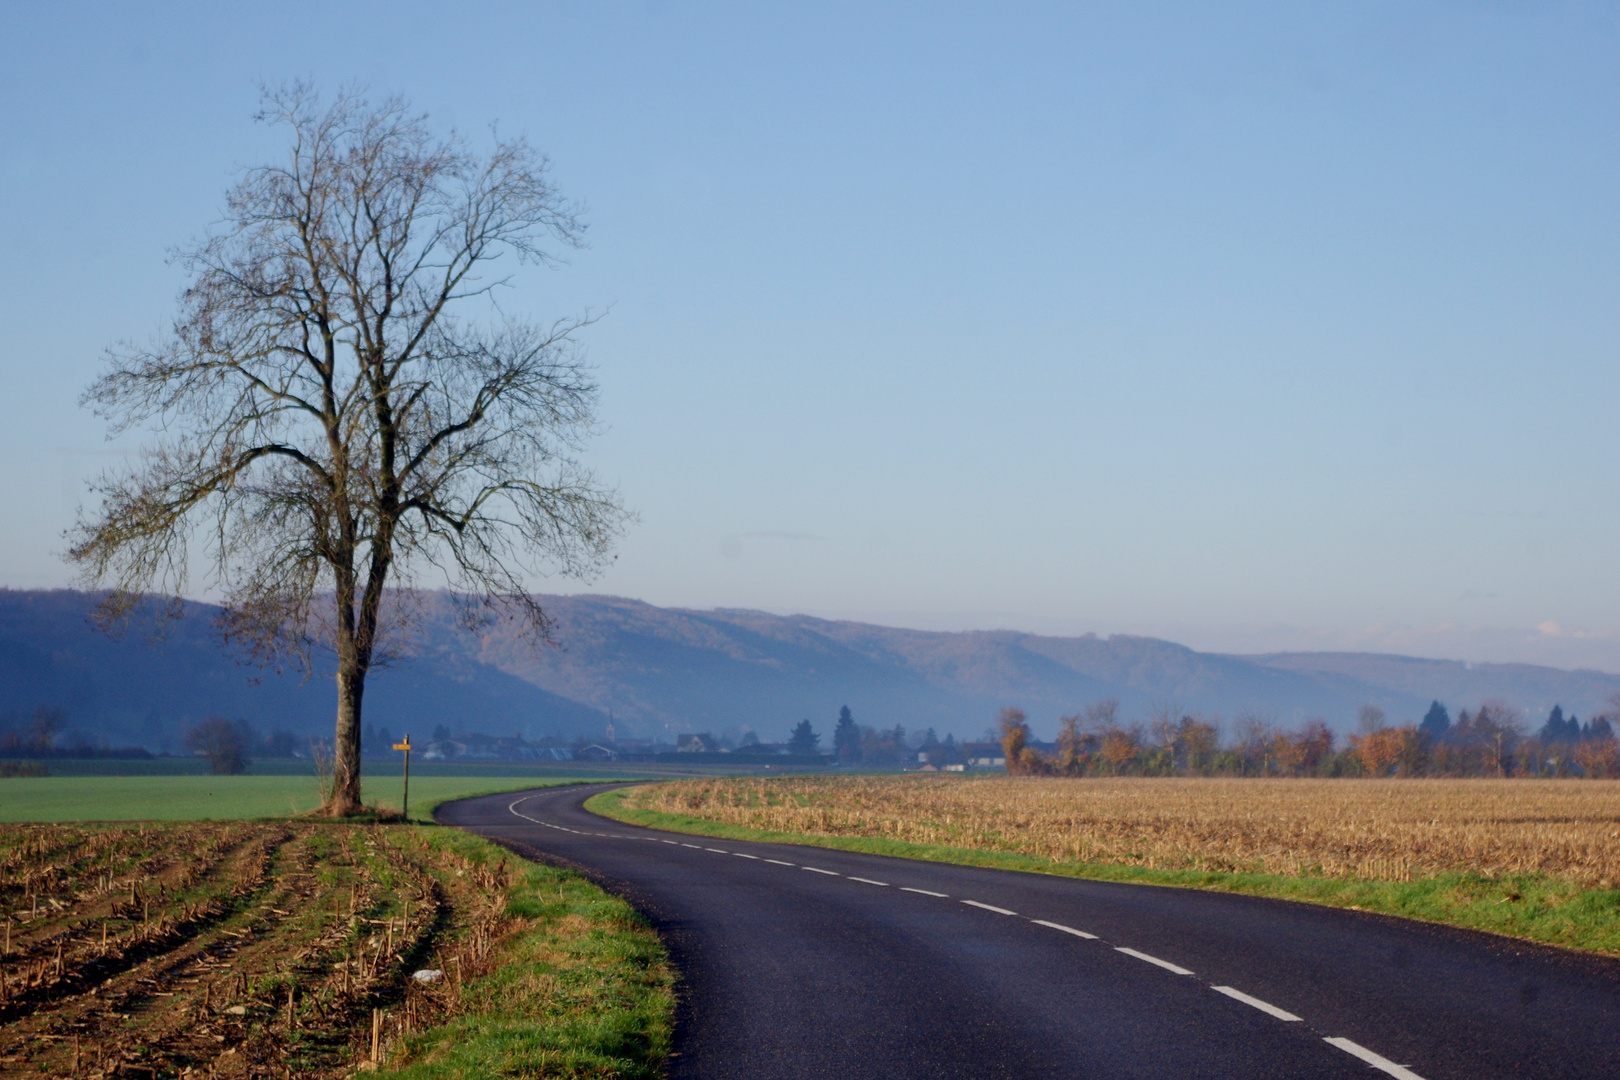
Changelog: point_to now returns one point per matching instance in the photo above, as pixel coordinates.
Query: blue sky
(1256, 326)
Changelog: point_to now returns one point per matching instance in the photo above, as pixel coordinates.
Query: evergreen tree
(1553, 729)
(1436, 722)
(804, 739)
(847, 738)
(1559, 730)
(1597, 729)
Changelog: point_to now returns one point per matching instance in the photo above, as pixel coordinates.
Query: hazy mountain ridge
(657, 671)
(134, 690)
(1458, 680)
(670, 669)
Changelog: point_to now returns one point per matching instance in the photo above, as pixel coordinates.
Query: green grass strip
(229, 798)
(584, 990)
(1535, 907)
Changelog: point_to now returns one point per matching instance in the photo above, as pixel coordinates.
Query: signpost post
(406, 746)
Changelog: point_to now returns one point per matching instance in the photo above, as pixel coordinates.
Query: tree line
(1493, 740)
(862, 744)
(41, 735)
(227, 744)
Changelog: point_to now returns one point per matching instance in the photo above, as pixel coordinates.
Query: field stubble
(1381, 830)
(237, 949)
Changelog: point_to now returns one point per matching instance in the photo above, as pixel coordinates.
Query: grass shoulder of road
(221, 798)
(1535, 907)
(578, 986)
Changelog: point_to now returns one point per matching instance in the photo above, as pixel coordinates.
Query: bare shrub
(222, 742)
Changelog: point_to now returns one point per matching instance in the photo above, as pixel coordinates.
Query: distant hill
(133, 691)
(658, 671)
(1532, 688)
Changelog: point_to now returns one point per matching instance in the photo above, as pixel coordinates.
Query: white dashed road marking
(1167, 965)
(1264, 1006)
(990, 907)
(1400, 1072)
(1065, 929)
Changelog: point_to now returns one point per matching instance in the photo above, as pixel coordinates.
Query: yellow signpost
(406, 746)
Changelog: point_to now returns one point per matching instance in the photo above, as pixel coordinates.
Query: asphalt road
(804, 962)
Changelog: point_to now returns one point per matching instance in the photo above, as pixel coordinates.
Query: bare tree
(1498, 727)
(1316, 744)
(223, 743)
(1254, 734)
(1163, 723)
(343, 407)
(1370, 719)
(1200, 739)
(47, 721)
(1102, 715)
(1071, 744)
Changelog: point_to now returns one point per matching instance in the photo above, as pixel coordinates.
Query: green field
(180, 798)
(196, 766)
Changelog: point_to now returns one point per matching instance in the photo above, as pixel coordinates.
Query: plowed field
(231, 950)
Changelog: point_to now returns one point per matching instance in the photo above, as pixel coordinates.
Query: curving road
(804, 962)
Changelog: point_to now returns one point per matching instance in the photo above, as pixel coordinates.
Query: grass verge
(577, 986)
(1535, 907)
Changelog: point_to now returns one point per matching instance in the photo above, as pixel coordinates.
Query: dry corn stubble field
(1383, 830)
(236, 949)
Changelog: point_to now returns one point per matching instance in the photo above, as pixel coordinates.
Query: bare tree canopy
(342, 406)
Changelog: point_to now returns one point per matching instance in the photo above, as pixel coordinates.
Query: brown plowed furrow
(268, 966)
(363, 962)
(123, 892)
(77, 960)
(174, 1012)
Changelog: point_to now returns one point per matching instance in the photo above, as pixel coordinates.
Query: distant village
(851, 745)
(230, 746)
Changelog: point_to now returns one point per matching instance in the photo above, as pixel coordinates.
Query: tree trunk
(356, 640)
(344, 798)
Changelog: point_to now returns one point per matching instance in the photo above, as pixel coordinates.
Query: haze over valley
(654, 673)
